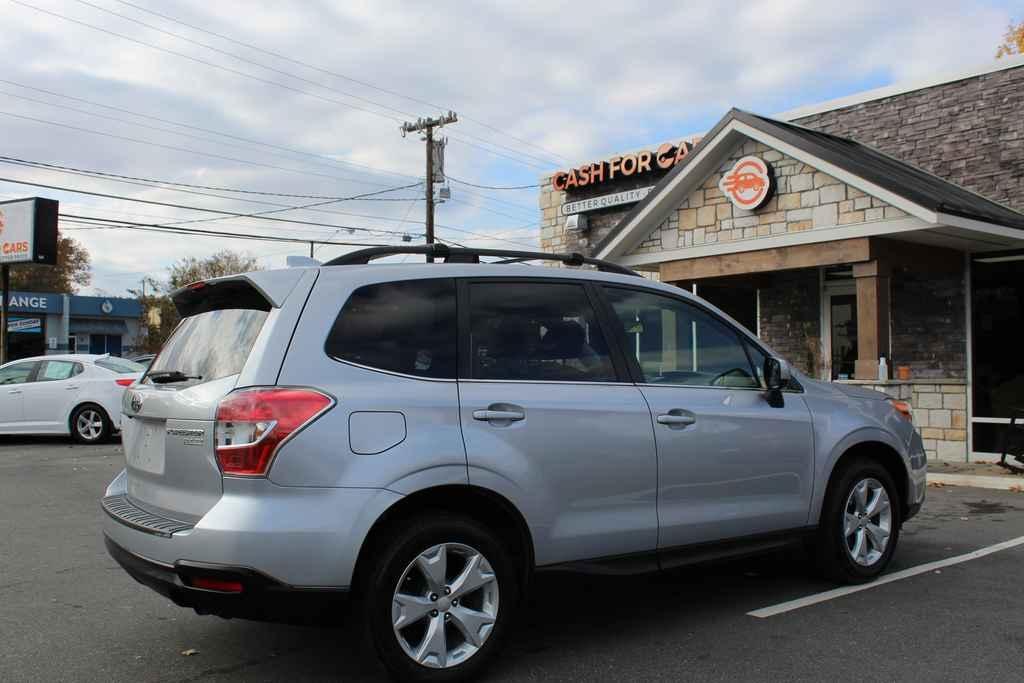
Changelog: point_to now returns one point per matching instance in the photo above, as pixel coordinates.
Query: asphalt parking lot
(68, 613)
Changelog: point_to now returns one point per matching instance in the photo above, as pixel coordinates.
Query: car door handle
(677, 418)
(498, 415)
(14, 391)
(71, 388)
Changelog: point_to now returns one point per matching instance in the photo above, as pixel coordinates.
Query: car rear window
(211, 345)
(407, 327)
(121, 366)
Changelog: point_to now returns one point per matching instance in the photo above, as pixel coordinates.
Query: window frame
(396, 373)
(743, 339)
(464, 353)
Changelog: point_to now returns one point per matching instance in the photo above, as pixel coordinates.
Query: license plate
(144, 445)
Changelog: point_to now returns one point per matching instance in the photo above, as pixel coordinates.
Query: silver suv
(425, 437)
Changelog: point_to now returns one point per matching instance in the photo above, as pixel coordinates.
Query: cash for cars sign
(28, 231)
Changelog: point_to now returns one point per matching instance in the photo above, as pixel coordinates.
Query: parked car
(76, 394)
(425, 437)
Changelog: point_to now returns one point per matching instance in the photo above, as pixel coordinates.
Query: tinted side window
(17, 373)
(408, 327)
(678, 343)
(536, 331)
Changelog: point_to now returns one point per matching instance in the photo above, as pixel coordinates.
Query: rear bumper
(306, 538)
(261, 597)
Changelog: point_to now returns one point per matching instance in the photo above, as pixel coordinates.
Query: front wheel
(440, 599)
(860, 523)
(90, 424)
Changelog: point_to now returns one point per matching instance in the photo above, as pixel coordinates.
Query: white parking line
(888, 578)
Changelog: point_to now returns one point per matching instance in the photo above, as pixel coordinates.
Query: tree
(1013, 41)
(160, 316)
(225, 262)
(73, 270)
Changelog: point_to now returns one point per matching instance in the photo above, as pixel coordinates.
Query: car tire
(860, 523)
(397, 589)
(90, 424)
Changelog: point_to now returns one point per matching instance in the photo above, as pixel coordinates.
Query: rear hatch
(168, 430)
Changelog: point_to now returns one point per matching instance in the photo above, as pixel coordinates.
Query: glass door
(838, 325)
(843, 334)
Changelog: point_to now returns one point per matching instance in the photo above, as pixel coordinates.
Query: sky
(303, 101)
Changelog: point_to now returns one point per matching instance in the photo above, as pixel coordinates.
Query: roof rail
(470, 255)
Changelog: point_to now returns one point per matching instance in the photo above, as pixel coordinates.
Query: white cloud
(580, 79)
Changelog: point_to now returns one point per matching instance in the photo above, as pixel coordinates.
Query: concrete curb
(977, 481)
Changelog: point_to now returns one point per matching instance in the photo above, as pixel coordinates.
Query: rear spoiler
(213, 295)
(258, 290)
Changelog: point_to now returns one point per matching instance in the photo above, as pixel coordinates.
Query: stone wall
(940, 414)
(791, 317)
(804, 199)
(552, 227)
(969, 132)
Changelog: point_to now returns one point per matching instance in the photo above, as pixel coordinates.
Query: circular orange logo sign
(748, 184)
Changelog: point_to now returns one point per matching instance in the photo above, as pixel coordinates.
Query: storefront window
(998, 372)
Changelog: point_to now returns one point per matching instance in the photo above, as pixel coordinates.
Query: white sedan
(76, 394)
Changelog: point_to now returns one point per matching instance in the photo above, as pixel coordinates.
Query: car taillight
(123, 382)
(903, 408)
(253, 423)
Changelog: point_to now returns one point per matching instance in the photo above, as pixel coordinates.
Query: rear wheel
(439, 599)
(860, 523)
(90, 424)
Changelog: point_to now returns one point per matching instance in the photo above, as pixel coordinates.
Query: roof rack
(469, 255)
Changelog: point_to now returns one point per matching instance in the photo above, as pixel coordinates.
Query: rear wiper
(168, 376)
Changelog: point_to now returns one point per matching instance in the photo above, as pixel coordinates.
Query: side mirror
(776, 377)
(776, 373)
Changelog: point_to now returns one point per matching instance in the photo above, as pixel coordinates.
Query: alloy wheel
(867, 522)
(445, 605)
(89, 424)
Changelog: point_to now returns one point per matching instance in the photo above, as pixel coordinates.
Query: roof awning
(98, 327)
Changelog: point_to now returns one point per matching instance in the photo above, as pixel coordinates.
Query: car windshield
(121, 366)
(210, 345)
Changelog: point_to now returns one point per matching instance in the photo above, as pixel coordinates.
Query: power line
(233, 214)
(292, 75)
(316, 207)
(336, 75)
(244, 74)
(197, 60)
(152, 182)
(95, 223)
(493, 187)
(328, 161)
(181, 149)
(483, 236)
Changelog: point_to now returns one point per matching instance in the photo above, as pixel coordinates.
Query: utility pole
(427, 126)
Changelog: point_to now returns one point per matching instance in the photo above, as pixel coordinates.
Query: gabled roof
(916, 187)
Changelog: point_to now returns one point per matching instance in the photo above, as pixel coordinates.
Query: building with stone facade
(886, 224)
